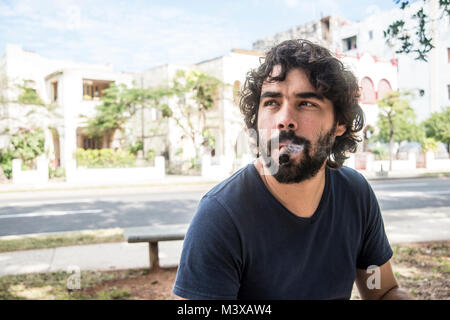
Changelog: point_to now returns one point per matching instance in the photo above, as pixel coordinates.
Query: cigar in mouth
(290, 149)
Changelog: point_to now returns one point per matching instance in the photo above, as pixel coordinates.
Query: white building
(74, 88)
(430, 81)
(224, 121)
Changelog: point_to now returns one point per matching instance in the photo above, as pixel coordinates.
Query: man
(294, 224)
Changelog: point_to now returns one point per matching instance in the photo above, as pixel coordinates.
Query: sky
(138, 35)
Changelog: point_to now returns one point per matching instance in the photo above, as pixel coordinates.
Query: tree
(437, 126)
(397, 121)
(415, 40)
(116, 108)
(195, 94)
(22, 121)
(29, 96)
(25, 145)
(119, 104)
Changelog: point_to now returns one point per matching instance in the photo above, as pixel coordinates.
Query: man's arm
(379, 284)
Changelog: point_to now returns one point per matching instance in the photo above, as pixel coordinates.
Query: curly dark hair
(327, 75)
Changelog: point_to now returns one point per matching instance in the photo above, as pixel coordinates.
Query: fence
(38, 176)
(409, 162)
(217, 167)
(111, 175)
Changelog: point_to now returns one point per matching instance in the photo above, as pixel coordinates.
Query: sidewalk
(176, 180)
(122, 255)
(169, 180)
(105, 256)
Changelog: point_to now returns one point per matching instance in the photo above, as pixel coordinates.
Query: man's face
(302, 121)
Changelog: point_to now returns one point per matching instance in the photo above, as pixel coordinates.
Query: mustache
(288, 136)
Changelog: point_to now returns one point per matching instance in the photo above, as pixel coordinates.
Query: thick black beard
(309, 166)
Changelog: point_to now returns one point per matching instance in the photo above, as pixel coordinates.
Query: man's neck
(302, 198)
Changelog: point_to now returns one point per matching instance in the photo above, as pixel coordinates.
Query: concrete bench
(154, 234)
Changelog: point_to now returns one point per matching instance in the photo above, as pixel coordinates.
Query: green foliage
(437, 126)
(151, 154)
(196, 164)
(25, 145)
(415, 40)
(208, 138)
(58, 172)
(397, 120)
(429, 144)
(112, 113)
(6, 157)
(202, 87)
(104, 158)
(120, 103)
(380, 152)
(136, 147)
(29, 96)
(179, 151)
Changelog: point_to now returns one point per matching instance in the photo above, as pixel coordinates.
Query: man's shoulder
(348, 175)
(349, 179)
(234, 185)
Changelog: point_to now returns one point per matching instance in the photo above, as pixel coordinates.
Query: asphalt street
(417, 203)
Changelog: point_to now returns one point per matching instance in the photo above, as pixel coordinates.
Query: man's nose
(286, 120)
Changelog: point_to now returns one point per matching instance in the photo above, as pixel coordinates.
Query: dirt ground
(422, 269)
(150, 285)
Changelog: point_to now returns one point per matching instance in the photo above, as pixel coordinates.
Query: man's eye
(307, 104)
(269, 103)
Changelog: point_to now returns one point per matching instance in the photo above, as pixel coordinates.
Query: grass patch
(12, 243)
(434, 174)
(53, 286)
(113, 294)
(422, 269)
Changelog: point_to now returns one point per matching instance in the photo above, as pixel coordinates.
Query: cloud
(291, 3)
(372, 9)
(130, 35)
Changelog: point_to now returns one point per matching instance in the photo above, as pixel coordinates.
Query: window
(93, 89)
(448, 88)
(370, 35)
(448, 54)
(368, 95)
(349, 43)
(326, 29)
(92, 143)
(236, 92)
(55, 91)
(383, 87)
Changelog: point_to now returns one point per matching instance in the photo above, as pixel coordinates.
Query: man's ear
(340, 130)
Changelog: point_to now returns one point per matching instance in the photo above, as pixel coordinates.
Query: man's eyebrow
(270, 94)
(309, 95)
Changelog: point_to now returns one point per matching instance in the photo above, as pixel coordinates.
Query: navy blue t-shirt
(244, 244)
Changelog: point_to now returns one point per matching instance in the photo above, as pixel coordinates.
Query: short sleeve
(375, 247)
(210, 263)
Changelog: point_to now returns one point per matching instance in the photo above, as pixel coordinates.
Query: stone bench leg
(153, 254)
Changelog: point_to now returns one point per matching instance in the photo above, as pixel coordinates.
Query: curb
(104, 186)
(431, 176)
(181, 182)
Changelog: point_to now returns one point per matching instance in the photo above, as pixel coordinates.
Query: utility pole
(142, 120)
(433, 64)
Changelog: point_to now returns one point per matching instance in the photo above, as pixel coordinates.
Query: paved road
(407, 206)
(416, 209)
(41, 212)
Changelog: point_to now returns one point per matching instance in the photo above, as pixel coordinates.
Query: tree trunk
(391, 144)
